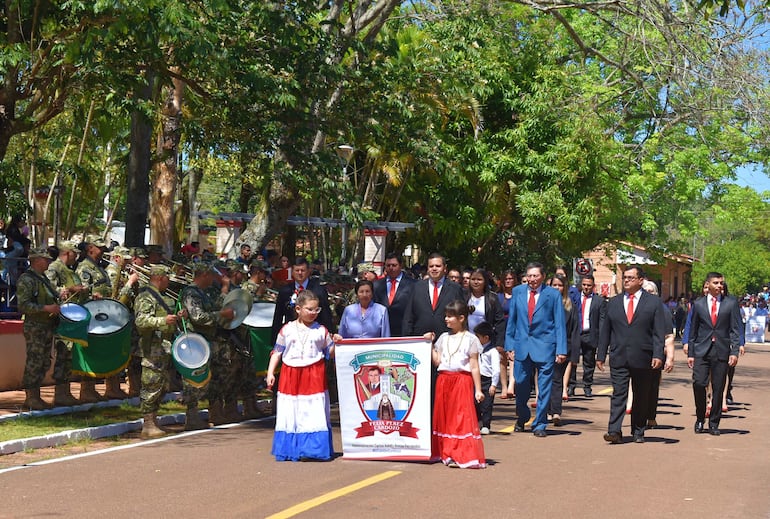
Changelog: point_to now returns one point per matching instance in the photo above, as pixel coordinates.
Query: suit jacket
(546, 336)
(400, 301)
(284, 310)
(633, 345)
(725, 336)
(419, 315)
(596, 315)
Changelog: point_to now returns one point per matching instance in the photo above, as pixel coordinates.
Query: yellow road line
(325, 498)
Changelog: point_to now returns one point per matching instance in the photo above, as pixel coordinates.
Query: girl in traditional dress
(456, 437)
(302, 421)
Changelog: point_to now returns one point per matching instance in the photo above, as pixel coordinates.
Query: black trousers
(557, 388)
(706, 368)
(641, 381)
(588, 352)
(484, 408)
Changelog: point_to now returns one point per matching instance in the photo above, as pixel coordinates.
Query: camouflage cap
(96, 241)
(200, 267)
(155, 249)
(68, 245)
(366, 266)
(124, 252)
(257, 265)
(158, 269)
(235, 266)
(178, 257)
(39, 253)
(138, 252)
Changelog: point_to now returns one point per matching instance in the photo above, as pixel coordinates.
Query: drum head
(261, 315)
(191, 350)
(107, 316)
(74, 312)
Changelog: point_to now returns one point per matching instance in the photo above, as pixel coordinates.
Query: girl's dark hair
(457, 308)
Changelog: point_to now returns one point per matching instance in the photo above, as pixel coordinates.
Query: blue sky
(753, 177)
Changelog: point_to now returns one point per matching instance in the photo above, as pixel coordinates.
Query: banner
(755, 328)
(384, 398)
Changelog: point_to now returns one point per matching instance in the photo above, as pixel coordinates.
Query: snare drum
(190, 353)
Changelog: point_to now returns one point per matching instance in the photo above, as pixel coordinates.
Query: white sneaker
(485, 430)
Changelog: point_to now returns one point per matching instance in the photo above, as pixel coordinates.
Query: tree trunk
(164, 188)
(138, 175)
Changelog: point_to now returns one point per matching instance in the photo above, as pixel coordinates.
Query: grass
(27, 427)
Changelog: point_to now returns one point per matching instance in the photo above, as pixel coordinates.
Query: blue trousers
(523, 371)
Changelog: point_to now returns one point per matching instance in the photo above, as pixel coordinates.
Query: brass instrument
(144, 275)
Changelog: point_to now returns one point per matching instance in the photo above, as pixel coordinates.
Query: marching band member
(130, 285)
(96, 278)
(156, 322)
(205, 315)
(66, 281)
(37, 300)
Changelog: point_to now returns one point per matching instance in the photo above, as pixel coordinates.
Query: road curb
(93, 433)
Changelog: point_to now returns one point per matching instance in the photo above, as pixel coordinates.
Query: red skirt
(456, 436)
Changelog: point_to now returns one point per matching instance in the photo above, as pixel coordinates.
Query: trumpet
(144, 275)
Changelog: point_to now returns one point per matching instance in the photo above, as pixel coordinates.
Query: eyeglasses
(630, 278)
(311, 310)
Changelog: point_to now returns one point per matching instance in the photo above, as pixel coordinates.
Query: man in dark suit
(633, 333)
(535, 339)
(425, 310)
(713, 345)
(394, 292)
(287, 296)
(591, 308)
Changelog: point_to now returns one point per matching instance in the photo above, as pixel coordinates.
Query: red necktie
(435, 295)
(392, 293)
(630, 309)
(713, 311)
(531, 305)
(583, 312)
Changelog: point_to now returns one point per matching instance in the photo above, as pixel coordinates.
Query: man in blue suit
(536, 337)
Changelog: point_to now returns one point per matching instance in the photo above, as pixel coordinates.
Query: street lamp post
(345, 153)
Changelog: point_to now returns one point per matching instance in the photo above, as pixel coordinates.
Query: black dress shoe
(639, 438)
(519, 427)
(540, 433)
(698, 427)
(613, 437)
(713, 430)
(587, 392)
(729, 399)
(571, 391)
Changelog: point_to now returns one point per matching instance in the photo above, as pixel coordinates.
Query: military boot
(62, 396)
(231, 412)
(216, 412)
(33, 402)
(150, 429)
(250, 410)
(113, 389)
(134, 380)
(88, 394)
(193, 420)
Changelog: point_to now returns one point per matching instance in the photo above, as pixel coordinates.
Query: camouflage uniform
(204, 317)
(95, 277)
(155, 338)
(61, 276)
(127, 297)
(33, 292)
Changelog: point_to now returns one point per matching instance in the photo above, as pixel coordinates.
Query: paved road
(573, 473)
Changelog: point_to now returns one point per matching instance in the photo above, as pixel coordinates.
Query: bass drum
(260, 325)
(109, 340)
(190, 353)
